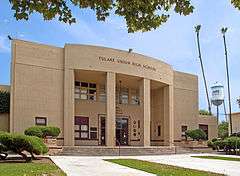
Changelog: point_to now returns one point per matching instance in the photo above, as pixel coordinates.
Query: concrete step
(115, 151)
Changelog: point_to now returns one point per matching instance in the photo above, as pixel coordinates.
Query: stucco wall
(236, 122)
(37, 85)
(4, 122)
(211, 121)
(185, 102)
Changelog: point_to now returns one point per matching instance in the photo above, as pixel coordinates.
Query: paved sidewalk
(95, 166)
(231, 168)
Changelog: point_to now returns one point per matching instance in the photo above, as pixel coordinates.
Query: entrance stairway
(116, 151)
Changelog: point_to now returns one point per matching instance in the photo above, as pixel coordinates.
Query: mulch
(20, 160)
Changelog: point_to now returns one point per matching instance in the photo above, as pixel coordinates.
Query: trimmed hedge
(19, 143)
(43, 131)
(197, 134)
(228, 145)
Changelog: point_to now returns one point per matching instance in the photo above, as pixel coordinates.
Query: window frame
(79, 130)
(41, 118)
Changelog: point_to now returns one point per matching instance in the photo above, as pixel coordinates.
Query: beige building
(102, 96)
(236, 122)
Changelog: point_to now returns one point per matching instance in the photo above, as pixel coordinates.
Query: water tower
(217, 96)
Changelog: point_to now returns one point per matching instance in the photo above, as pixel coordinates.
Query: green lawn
(218, 158)
(30, 169)
(160, 169)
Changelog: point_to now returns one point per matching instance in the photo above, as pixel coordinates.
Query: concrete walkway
(95, 166)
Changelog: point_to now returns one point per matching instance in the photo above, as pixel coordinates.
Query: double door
(121, 131)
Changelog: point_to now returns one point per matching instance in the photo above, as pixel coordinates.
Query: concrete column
(69, 82)
(145, 90)
(168, 116)
(111, 110)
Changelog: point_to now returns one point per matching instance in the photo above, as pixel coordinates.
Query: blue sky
(174, 42)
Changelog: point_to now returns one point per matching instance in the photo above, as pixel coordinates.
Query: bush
(196, 134)
(228, 144)
(236, 134)
(204, 112)
(34, 131)
(42, 131)
(50, 131)
(19, 143)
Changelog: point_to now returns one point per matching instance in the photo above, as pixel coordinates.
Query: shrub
(42, 131)
(196, 134)
(223, 130)
(204, 112)
(19, 143)
(34, 131)
(236, 134)
(50, 131)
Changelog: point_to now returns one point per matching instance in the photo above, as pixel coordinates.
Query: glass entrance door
(121, 131)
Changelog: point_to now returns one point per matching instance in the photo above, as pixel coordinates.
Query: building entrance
(121, 131)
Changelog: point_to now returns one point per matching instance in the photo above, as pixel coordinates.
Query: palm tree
(224, 30)
(197, 30)
(238, 101)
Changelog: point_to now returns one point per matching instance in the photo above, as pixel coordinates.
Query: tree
(223, 130)
(142, 15)
(4, 102)
(238, 102)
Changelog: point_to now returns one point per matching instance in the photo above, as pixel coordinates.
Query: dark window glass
(83, 84)
(91, 85)
(159, 130)
(77, 83)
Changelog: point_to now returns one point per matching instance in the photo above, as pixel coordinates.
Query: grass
(30, 169)
(218, 158)
(160, 169)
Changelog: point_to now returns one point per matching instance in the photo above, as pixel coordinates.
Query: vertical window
(159, 130)
(124, 96)
(41, 121)
(184, 129)
(134, 97)
(93, 133)
(85, 91)
(81, 127)
(102, 93)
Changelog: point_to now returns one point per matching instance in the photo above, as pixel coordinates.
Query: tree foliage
(204, 112)
(197, 134)
(223, 130)
(43, 131)
(139, 15)
(4, 102)
(21, 144)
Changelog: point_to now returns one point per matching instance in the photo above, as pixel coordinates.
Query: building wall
(157, 116)
(37, 85)
(4, 122)
(211, 121)
(236, 122)
(185, 102)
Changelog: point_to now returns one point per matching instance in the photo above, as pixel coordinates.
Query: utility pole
(197, 30)
(224, 30)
